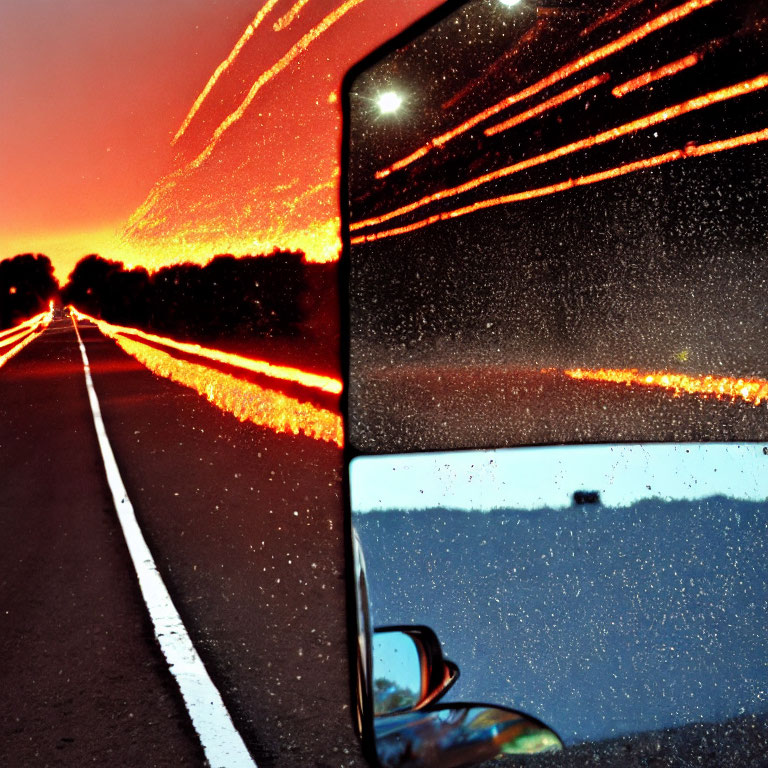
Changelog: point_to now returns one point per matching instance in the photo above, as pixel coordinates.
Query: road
(246, 527)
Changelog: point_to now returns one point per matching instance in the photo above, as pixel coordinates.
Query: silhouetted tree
(229, 297)
(128, 297)
(87, 288)
(27, 285)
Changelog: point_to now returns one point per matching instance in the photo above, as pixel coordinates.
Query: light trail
(630, 38)
(608, 17)
(691, 150)
(45, 318)
(26, 324)
(545, 106)
(280, 372)
(642, 123)
(244, 38)
(4, 342)
(753, 391)
(274, 70)
(249, 402)
(657, 74)
(290, 16)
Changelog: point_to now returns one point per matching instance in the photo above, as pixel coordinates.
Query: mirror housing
(430, 675)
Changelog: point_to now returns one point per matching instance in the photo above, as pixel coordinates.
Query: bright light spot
(509, 2)
(389, 102)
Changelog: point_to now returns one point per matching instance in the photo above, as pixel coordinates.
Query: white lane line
(222, 744)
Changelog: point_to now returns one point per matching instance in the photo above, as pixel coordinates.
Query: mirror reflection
(605, 589)
(557, 227)
(397, 672)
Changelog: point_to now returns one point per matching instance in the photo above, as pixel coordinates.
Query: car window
(608, 590)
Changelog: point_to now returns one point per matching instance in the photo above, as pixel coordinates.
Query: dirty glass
(557, 228)
(606, 590)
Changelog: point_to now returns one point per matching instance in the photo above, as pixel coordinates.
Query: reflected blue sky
(533, 478)
(396, 658)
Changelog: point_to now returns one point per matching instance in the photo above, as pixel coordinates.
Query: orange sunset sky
(93, 94)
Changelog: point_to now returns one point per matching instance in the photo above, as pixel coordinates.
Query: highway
(246, 528)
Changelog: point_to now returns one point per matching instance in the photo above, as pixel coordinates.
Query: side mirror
(401, 674)
(409, 671)
(449, 736)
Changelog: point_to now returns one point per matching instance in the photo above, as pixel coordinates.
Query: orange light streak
(4, 342)
(657, 74)
(545, 106)
(319, 240)
(274, 70)
(224, 66)
(247, 401)
(283, 373)
(288, 18)
(610, 16)
(753, 391)
(691, 150)
(642, 123)
(45, 319)
(26, 324)
(665, 19)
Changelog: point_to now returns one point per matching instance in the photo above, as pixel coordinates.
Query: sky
(546, 477)
(92, 95)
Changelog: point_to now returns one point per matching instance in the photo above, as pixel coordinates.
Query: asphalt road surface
(246, 527)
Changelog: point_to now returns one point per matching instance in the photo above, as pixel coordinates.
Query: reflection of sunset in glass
(584, 198)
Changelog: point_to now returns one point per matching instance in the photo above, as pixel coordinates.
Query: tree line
(260, 296)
